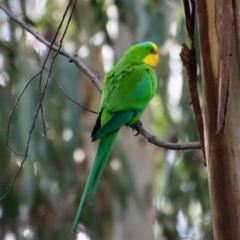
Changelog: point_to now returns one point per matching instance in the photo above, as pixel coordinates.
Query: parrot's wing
(117, 120)
(130, 89)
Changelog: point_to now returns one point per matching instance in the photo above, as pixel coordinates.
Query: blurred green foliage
(43, 201)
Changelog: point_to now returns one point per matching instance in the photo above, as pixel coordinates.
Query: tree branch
(188, 56)
(41, 93)
(164, 144)
(94, 78)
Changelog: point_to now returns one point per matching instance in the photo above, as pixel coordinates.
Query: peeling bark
(222, 151)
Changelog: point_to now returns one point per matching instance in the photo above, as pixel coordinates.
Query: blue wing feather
(117, 120)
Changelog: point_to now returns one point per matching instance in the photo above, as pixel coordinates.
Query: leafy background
(45, 196)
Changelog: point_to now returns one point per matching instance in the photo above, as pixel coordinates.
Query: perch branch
(164, 144)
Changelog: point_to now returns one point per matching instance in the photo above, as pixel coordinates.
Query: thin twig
(13, 110)
(48, 54)
(42, 94)
(65, 94)
(71, 57)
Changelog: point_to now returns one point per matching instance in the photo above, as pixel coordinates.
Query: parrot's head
(147, 52)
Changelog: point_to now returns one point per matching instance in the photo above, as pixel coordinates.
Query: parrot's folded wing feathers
(117, 120)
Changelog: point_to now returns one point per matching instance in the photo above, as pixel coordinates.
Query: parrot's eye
(152, 50)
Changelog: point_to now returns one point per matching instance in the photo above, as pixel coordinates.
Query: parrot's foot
(138, 122)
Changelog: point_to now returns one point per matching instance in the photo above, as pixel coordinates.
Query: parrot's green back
(128, 88)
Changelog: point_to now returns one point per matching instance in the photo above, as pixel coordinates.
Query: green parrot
(127, 89)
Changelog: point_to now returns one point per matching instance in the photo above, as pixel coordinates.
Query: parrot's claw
(138, 122)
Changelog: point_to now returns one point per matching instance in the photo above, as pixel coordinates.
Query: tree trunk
(222, 150)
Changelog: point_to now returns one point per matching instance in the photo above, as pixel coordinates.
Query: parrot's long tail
(104, 149)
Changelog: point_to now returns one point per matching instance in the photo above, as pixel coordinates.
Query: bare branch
(13, 110)
(41, 94)
(65, 94)
(71, 57)
(94, 78)
(164, 144)
(188, 57)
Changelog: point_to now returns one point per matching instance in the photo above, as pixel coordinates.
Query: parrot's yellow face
(153, 57)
